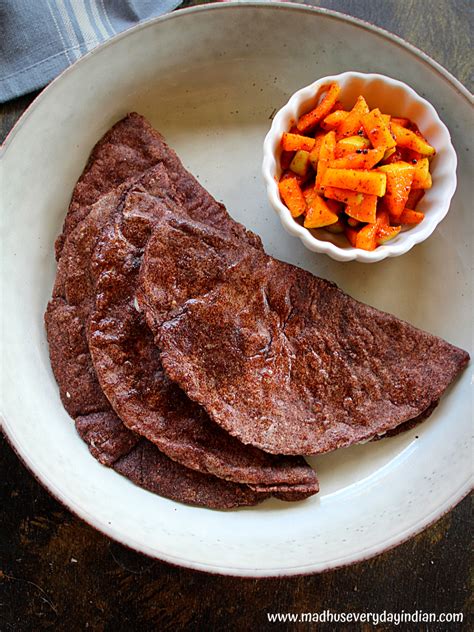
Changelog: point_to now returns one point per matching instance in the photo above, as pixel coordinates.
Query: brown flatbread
(279, 358)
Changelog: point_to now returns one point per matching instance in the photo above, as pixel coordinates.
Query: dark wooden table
(58, 573)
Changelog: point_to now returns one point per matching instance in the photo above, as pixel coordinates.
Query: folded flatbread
(280, 358)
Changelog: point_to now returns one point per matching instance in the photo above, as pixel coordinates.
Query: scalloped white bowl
(390, 96)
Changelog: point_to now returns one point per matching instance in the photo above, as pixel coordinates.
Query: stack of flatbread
(200, 367)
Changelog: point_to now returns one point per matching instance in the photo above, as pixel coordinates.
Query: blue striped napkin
(40, 38)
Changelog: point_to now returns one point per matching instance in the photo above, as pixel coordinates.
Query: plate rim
(109, 530)
(226, 5)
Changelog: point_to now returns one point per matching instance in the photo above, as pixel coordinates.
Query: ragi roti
(278, 357)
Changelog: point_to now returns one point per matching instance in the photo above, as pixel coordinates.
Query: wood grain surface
(58, 573)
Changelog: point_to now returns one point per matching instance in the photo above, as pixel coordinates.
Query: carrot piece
(377, 130)
(352, 122)
(414, 197)
(343, 195)
(365, 211)
(360, 159)
(410, 217)
(366, 238)
(334, 120)
(292, 195)
(326, 153)
(411, 140)
(328, 146)
(351, 144)
(312, 118)
(293, 142)
(370, 182)
(351, 235)
(318, 213)
(421, 175)
(399, 179)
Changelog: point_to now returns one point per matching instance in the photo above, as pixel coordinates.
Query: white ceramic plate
(210, 78)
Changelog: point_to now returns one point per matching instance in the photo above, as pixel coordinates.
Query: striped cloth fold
(40, 38)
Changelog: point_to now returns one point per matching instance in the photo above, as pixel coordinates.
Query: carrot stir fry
(360, 172)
